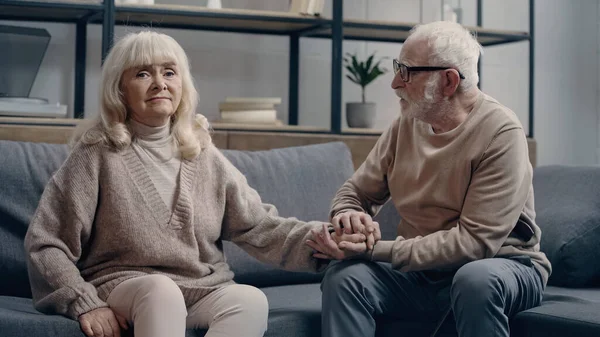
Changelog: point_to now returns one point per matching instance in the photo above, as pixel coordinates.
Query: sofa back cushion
(25, 168)
(567, 202)
(300, 182)
(388, 219)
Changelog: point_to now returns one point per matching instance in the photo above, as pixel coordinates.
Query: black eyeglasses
(405, 70)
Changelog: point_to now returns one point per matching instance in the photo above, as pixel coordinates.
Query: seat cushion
(19, 318)
(564, 312)
(294, 310)
(567, 202)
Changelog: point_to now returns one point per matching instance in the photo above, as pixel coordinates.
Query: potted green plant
(362, 114)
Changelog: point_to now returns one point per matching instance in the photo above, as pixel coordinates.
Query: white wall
(566, 77)
(226, 64)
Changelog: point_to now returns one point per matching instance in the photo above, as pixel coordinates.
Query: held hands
(346, 243)
(102, 322)
(357, 222)
(326, 245)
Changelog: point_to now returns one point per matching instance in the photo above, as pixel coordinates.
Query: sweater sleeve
(257, 228)
(367, 189)
(56, 238)
(494, 201)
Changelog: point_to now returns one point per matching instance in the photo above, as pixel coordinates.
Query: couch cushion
(25, 168)
(567, 202)
(18, 318)
(301, 182)
(564, 312)
(294, 310)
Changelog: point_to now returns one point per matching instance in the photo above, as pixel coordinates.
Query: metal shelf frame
(250, 22)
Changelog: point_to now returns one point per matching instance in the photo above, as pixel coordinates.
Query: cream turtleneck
(157, 151)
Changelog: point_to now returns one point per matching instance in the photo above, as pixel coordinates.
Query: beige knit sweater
(101, 221)
(459, 193)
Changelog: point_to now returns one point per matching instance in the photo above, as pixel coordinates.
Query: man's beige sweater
(101, 221)
(459, 193)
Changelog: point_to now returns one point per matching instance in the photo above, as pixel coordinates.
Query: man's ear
(451, 80)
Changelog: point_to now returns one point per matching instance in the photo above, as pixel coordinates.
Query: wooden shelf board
(265, 127)
(40, 121)
(398, 31)
(363, 131)
(57, 130)
(226, 19)
(5, 120)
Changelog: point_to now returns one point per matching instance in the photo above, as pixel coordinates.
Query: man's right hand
(102, 322)
(357, 222)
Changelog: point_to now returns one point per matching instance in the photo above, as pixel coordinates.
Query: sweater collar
(181, 214)
(152, 135)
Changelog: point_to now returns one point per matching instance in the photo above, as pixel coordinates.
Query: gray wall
(597, 29)
(567, 75)
(566, 78)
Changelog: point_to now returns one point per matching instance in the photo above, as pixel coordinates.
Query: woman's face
(152, 93)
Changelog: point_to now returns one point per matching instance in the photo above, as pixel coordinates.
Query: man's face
(419, 97)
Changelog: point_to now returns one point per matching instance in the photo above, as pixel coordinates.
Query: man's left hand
(357, 222)
(350, 245)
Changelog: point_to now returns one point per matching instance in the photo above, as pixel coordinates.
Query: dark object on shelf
(23, 50)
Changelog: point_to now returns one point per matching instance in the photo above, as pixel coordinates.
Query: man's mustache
(401, 94)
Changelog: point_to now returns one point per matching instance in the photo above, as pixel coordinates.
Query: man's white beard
(420, 110)
(431, 106)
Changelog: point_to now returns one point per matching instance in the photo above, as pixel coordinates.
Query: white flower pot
(360, 115)
(215, 4)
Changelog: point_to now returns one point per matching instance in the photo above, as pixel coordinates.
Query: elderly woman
(129, 230)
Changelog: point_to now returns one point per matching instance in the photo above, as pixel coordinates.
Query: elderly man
(455, 165)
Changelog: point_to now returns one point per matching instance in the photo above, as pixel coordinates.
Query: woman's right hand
(102, 322)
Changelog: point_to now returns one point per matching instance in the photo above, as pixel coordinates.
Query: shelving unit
(81, 13)
(228, 20)
(56, 11)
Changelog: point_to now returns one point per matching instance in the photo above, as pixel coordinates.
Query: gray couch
(301, 181)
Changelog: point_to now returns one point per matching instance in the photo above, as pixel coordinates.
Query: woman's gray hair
(190, 131)
(451, 45)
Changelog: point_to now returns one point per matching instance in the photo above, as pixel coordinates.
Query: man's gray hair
(451, 45)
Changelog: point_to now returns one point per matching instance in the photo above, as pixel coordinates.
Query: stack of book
(249, 110)
(308, 7)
